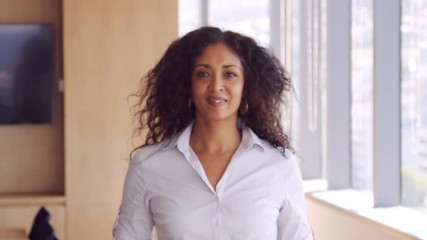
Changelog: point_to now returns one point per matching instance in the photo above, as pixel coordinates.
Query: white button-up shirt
(259, 197)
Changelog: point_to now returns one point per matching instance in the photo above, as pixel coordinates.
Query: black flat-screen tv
(26, 73)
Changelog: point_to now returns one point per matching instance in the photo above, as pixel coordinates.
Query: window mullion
(205, 12)
(386, 102)
(338, 94)
(276, 27)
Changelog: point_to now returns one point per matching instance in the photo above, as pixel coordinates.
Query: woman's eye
(202, 74)
(230, 74)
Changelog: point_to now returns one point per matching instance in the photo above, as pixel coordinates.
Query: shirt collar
(249, 139)
(182, 139)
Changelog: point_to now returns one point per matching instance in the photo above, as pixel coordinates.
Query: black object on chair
(41, 229)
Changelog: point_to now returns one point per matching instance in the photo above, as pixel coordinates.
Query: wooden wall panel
(108, 46)
(31, 156)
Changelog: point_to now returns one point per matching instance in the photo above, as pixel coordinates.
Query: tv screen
(26, 73)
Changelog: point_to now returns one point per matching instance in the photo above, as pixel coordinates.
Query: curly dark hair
(163, 107)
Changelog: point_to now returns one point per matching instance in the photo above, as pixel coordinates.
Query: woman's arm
(293, 222)
(134, 221)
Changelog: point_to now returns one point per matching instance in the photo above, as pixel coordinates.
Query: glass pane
(362, 94)
(293, 53)
(323, 79)
(251, 18)
(308, 72)
(414, 103)
(189, 15)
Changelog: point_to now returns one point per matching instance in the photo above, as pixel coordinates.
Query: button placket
(218, 216)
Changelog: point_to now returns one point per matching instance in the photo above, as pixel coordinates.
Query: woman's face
(217, 83)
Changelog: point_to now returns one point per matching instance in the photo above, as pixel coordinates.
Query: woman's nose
(216, 84)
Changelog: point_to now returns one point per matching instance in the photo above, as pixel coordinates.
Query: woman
(215, 163)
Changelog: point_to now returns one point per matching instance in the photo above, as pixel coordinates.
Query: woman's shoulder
(148, 151)
(282, 156)
(286, 153)
(282, 151)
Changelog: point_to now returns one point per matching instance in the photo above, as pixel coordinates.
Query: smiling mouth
(216, 100)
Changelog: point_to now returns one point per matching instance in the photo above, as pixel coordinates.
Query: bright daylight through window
(362, 94)
(414, 104)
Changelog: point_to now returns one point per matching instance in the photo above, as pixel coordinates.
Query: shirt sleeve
(293, 222)
(134, 221)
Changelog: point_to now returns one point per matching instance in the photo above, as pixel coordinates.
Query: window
(305, 54)
(190, 15)
(292, 59)
(251, 18)
(414, 104)
(362, 94)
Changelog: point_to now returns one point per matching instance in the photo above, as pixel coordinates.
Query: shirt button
(216, 221)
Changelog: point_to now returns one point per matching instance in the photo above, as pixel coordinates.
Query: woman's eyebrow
(203, 65)
(209, 66)
(230, 65)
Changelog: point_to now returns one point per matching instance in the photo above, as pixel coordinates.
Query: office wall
(108, 46)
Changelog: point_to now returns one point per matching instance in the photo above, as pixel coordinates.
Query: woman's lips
(216, 101)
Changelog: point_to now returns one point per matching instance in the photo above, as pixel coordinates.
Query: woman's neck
(215, 137)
